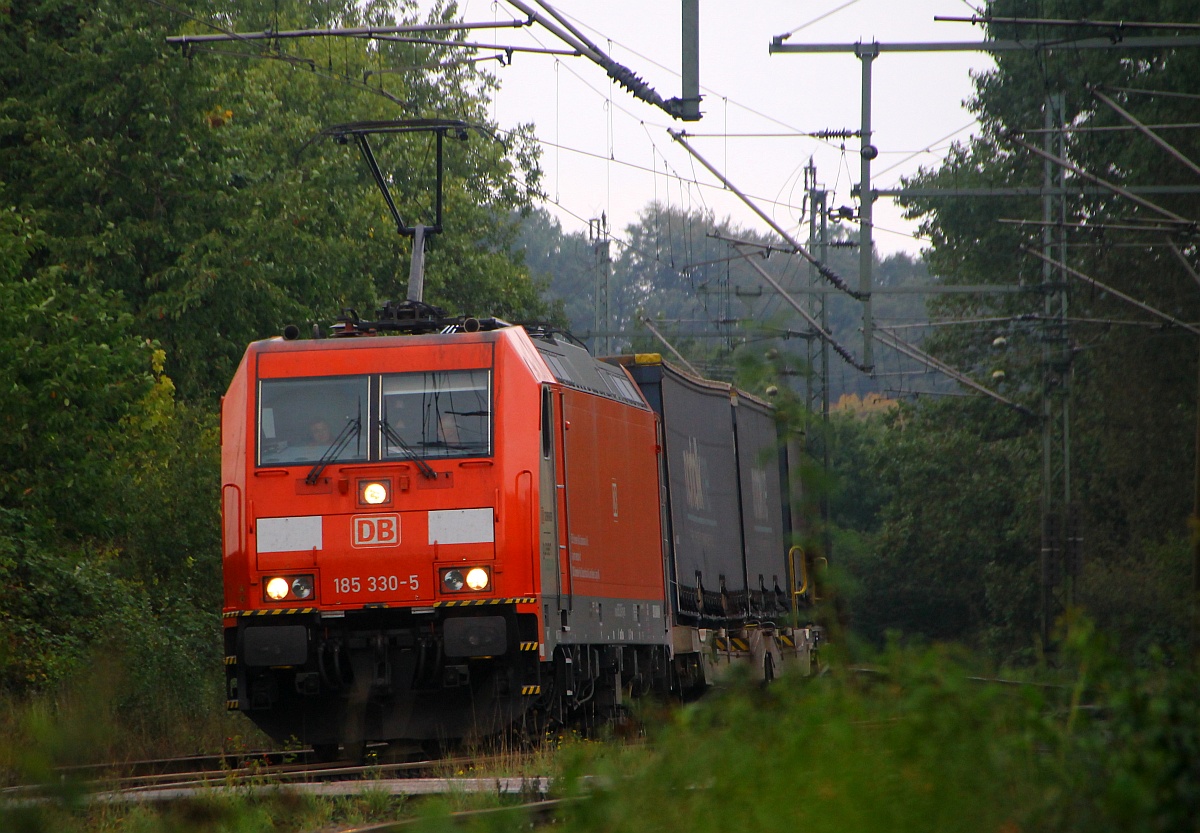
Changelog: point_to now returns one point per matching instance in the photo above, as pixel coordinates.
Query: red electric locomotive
(471, 526)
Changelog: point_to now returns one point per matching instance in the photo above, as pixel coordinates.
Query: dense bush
(919, 743)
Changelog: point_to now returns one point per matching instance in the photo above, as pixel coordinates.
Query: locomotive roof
(575, 367)
(569, 364)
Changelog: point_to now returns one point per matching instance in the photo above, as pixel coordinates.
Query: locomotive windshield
(415, 415)
(300, 420)
(437, 414)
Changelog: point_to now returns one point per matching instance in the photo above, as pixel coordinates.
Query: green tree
(185, 183)
(1131, 378)
(72, 370)
(954, 558)
(157, 212)
(98, 540)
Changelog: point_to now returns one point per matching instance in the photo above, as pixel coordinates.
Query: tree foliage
(1131, 382)
(91, 439)
(191, 184)
(159, 210)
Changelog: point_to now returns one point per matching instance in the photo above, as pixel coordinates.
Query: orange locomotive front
(420, 532)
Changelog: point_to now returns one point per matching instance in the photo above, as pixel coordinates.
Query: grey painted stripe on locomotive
(598, 620)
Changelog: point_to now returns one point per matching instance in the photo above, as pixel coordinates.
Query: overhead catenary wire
(896, 343)
(1153, 227)
(1103, 183)
(1187, 264)
(610, 106)
(367, 73)
(675, 72)
(821, 136)
(812, 322)
(1116, 293)
(356, 31)
(822, 269)
(281, 56)
(1161, 93)
(654, 330)
(276, 54)
(1171, 150)
(824, 136)
(817, 19)
(537, 50)
(1110, 128)
(1079, 23)
(565, 31)
(454, 44)
(1023, 318)
(388, 32)
(842, 351)
(916, 153)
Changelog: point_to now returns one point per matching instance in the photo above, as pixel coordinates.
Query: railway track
(137, 782)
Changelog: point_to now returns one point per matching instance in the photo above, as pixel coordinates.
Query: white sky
(917, 102)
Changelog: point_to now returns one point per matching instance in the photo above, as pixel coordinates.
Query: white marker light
(374, 493)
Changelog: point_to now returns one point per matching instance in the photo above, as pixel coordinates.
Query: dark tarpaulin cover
(762, 504)
(699, 435)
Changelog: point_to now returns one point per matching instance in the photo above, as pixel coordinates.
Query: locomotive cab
(378, 547)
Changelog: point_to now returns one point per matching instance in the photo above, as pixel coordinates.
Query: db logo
(376, 530)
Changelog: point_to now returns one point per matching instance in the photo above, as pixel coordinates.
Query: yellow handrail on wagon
(803, 571)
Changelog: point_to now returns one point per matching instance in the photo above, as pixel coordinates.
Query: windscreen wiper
(353, 426)
(391, 436)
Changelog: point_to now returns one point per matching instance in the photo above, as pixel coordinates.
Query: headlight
(288, 588)
(476, 579)
(277, 589)
(374, 492)
(453, 580)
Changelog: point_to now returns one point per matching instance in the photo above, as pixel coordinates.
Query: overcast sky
(613, 152)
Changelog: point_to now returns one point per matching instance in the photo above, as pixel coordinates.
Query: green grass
(916, 744)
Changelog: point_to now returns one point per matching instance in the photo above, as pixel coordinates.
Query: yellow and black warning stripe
(231, 660)
(731, 644)
(284, 611)
(787, 640)
(485, 602)
(231, 705)
(529, 646)
(531, 689)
